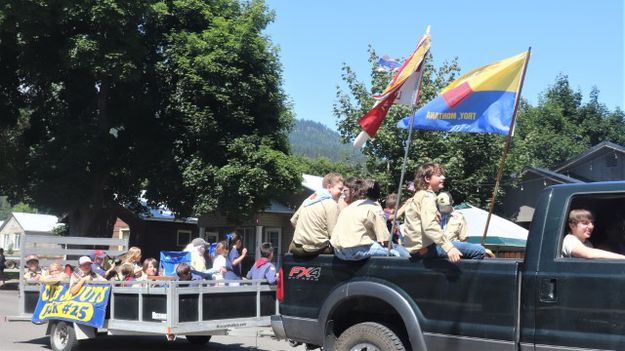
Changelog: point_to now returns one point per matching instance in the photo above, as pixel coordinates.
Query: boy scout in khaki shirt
(361, 227)
(314, 221)
(423, 233)
(33, 272)
(55, 275)
(453, 223)
(422, 227)
(456, 227)
(360, 224)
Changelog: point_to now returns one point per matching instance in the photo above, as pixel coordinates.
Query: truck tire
(368, 336)
(198, 340)
(62, 336)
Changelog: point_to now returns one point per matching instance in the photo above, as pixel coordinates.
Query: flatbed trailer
(195, 309)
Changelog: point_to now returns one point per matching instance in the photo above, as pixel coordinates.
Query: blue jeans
(469, 251)
(358, 253)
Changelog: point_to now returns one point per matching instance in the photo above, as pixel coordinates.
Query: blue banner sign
(88, 307)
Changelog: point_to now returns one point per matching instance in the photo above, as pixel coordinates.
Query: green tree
(102, 99)
(560, 126)
(6, 208)
(470, 159)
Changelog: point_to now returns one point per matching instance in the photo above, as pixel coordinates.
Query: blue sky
(583, 39)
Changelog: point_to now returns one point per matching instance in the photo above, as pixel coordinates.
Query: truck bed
(474, 298)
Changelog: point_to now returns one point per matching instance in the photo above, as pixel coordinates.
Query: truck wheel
(198, 340)
(62, 336)
(368, 336)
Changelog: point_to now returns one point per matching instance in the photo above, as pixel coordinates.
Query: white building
(20, 223)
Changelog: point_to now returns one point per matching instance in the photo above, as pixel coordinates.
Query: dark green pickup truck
(541, 302)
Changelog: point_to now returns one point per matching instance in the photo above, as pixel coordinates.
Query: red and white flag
(403, 89)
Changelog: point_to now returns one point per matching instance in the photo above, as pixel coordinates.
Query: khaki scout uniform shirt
(361, 223)
(33, 276)
(456, 227)
(421, 226)
(92, 276)
(53, 279)
(314, 224)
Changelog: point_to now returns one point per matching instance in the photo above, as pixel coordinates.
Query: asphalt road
(20, 336)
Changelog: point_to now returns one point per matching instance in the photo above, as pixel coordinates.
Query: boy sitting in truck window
(576, 243)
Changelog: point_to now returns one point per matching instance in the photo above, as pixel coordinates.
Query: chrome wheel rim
(61, 336)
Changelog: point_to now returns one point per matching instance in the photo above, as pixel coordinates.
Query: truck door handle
(548, 290)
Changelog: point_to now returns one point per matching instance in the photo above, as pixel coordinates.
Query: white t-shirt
(219, 262)
(571, 242)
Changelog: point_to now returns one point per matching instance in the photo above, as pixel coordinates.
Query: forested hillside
(314, 140)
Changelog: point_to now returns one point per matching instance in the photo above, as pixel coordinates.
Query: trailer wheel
(198, 340)
(62, 336)
(368, 336)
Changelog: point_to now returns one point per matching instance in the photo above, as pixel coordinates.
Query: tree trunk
(92, 222)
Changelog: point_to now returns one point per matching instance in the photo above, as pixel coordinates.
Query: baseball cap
(84, 259)
(444, 202)
(32, 258)
(99, 253)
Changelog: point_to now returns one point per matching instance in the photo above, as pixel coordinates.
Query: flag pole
(506, 148)
(406, 149)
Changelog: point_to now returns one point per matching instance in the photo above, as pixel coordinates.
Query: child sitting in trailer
(33, 272)
(127, 272)
(55, 275)
(219, 260)
(263, 268)
(183, 271)
(150, 269)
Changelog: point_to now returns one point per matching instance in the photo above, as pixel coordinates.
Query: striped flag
(403, 89)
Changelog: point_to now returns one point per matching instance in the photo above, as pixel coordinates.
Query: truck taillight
(280, 290)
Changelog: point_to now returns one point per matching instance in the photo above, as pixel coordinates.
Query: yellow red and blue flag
(480, 101)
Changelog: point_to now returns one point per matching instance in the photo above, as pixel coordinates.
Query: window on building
(17, 242)
(274, 236)
(249, 238)
(124, 233)
(211, 237)
(6, 241)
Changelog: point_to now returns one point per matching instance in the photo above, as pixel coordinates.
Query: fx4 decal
(305, 273)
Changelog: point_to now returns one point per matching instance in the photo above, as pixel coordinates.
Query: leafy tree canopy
(102, 99)
(561, 126)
